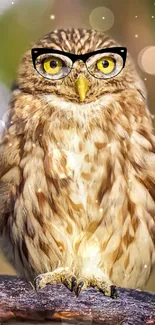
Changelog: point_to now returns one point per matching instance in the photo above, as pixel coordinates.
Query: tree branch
(19, 301)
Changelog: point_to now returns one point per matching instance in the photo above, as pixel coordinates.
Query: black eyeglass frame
(35, 52)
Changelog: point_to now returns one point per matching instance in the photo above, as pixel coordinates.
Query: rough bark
(19, 301)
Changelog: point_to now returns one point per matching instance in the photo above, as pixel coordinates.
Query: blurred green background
(130, 22)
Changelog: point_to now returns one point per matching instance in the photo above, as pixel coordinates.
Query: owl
(77, 167)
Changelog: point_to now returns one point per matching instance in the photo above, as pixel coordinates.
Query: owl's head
(62, 64)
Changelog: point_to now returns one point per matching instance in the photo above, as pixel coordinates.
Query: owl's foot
(108, 290)
(74, 284)
(60, 275)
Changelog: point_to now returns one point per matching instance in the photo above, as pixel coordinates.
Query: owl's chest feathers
(86, 169)
(97, 180)
(82, 170)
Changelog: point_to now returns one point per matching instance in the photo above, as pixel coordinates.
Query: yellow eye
(52, 65)
(106, 64)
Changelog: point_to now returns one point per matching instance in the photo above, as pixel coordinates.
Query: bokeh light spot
(101, 18)
(52, 17)
(146, 60)
(6, 4)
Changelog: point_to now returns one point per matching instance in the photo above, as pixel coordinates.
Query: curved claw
(79, 287)
(114, 294)
(70, 282)
(37, 283)
(74, 283)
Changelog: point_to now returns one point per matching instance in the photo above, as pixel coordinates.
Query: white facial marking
(60, 103)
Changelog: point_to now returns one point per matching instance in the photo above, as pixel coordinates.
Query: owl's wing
(10, 176)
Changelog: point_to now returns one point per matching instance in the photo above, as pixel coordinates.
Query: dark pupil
(53, 64)
(105, 63)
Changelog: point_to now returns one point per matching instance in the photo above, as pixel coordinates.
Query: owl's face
(56, 74)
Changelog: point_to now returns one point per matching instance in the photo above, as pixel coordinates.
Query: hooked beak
(82, 86)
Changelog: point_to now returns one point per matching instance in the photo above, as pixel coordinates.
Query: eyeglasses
(101, 64)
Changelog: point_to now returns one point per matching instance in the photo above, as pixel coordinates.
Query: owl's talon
(79, 288)
(70, 282)
(37, 282)
(114, 294)
(74, 283)
(82, 284)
